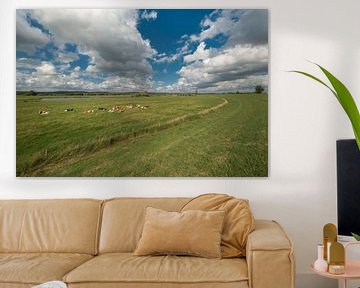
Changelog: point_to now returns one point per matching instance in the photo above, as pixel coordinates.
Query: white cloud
(200, 53)
(27, 63)
(65, 57)
(28, 38)
(64, 67)
(245, 84)
(119, 55)
(149, 15)
(164, 58)
(221, 25)
(76, 73)
(45, 68)
(167, 58)
(116, 83)
(252, 28)
(194, 38)
(239, 65)
(108, 36)
(240, 26)
(211, 69)
(46, 77)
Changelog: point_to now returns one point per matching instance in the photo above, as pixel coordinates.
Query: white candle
(328, 252)
(336, 269)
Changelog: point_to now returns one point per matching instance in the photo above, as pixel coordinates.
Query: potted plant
(345, 99)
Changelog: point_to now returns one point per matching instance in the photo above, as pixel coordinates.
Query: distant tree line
(27, 93)
(258, 89)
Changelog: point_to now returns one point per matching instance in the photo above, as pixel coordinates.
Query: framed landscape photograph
(142, 92)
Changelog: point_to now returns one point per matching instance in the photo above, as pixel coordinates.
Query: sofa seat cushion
(127, 268)
(36, 268)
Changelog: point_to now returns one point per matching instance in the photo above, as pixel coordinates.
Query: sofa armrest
(269, 256)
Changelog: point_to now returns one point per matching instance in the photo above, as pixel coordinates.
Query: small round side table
(352, 269)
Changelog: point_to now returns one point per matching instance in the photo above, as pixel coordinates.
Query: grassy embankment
(207, 135)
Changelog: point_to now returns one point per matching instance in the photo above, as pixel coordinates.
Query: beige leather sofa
(89, 243)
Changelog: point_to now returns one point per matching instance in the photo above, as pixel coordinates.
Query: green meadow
(160, 135)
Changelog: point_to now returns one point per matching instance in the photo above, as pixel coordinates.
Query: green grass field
(200, 135)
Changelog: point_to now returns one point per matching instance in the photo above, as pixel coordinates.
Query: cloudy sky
(136, 50)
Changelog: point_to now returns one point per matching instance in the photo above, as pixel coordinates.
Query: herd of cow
(118, 109)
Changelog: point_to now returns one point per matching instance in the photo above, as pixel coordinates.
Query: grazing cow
(116, 109)
(89, 111)
(102, 109)
(136, 106)
(119, 109)
(43, 112)
(69, 110)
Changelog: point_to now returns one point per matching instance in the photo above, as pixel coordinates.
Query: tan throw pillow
(239, 220)
(196, 233)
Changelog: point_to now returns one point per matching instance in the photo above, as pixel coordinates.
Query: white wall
(305, 120)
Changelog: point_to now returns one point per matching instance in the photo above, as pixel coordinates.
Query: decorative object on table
(142, 92)
(320, 264)
(337, 258)
(329, 236)
(333, 251)
(52, 284)
(349, 271)
(344, 97)
(336, 269)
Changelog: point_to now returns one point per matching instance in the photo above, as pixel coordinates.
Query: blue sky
(165, 33)
(118, 50)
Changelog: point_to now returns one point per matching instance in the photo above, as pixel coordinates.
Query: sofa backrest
(67, 226)
(123, 220)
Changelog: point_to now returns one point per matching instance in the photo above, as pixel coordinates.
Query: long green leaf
(316, 79)
(357, 237)
(344, 97)
(357, 137)
(347, 102)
